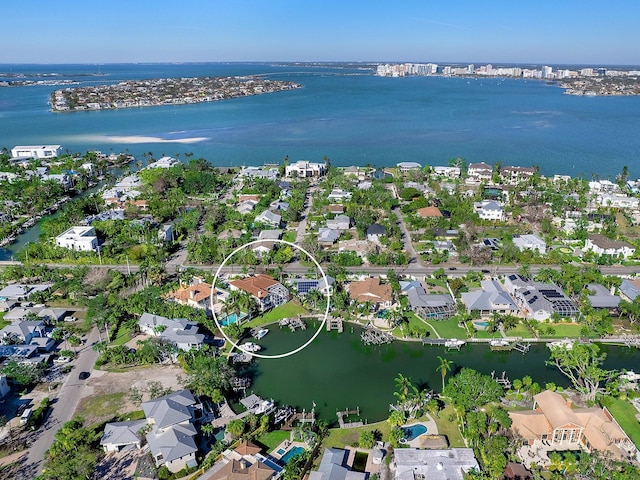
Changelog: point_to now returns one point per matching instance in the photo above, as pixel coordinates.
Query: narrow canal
(336, 371)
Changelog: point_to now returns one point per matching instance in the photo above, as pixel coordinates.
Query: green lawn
(449, 328)
(414, 322)
(562, 330)
(122, 337)
(3, 322)
(289, 236)
(339, 437)
(101, 407)
(272, 439)
(288, 310)
(625, 415)
(521, 330)
(449, 428)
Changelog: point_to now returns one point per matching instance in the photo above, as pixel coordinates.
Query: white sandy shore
(134, 139)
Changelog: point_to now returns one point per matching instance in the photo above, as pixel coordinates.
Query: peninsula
(163, 91)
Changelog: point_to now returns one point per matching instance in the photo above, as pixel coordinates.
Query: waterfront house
(554, 425)
(304, 169)
(333, 466)
(530, 242)
(36, 151)
(450, 172)
(434, 306)
(180, 332)
(306, 285)
(491, 298)
(372, 291)
(479, 172)
(164, 162)
(515, 175)
(539, 300)
(82, 239)
(617, 201)
(259, 172)
(449, 464)
(266, 291)
(602, 298)
(245, 462)
(601, 245)
(489, 210)
(405, 167)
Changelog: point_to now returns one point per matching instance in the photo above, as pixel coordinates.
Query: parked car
(83, 375)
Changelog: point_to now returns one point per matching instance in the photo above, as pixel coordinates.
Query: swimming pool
(480, 324)
(231, 318)
(291, 453)
(414, 431)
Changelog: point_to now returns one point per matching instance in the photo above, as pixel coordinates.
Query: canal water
(336, 371)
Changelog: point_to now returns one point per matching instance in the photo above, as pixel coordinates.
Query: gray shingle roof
(170, 409)
(173, 443)
(122, 433)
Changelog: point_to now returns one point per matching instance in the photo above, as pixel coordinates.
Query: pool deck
(286, 446)
(421, 441)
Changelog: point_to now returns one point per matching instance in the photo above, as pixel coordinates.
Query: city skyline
(570, 32)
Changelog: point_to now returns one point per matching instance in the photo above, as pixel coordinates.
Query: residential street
(63, 408)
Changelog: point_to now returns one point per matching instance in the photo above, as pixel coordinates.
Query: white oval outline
(280, 355)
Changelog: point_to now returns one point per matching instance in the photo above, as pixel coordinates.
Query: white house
(36, 151)
(304, 169)
(601, 245)
(451, 172)
(82, 239)
(120, 435)
(530, 242)
(339, 195)
(451, 464)
(164, 162)
(408, 166)
(180, 332)
(479, 172)
(489, 210)
(617, 201)
(269, 218)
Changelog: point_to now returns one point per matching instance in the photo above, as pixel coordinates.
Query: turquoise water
(481, 323)
(231, 318)
(295, 451)
(414, 431)
(348, 115)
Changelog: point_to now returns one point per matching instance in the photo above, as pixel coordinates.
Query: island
(163, 91)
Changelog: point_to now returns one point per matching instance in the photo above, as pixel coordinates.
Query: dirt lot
(107, 393)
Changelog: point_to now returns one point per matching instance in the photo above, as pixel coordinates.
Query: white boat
(265, 407)
(498, 342)
(250, 347)
(567, 344)
(261, 333)
(454, 343)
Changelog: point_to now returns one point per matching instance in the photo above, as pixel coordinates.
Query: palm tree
(443, 368)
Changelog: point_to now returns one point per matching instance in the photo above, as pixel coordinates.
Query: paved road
(66, 401)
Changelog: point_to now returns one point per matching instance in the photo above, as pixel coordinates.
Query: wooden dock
(334, 324)
(345, 413)
(502, 380)
(372, 336)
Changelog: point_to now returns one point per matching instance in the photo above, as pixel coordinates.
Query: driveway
(64, 406)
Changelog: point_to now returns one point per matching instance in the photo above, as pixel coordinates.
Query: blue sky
(507, 31)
